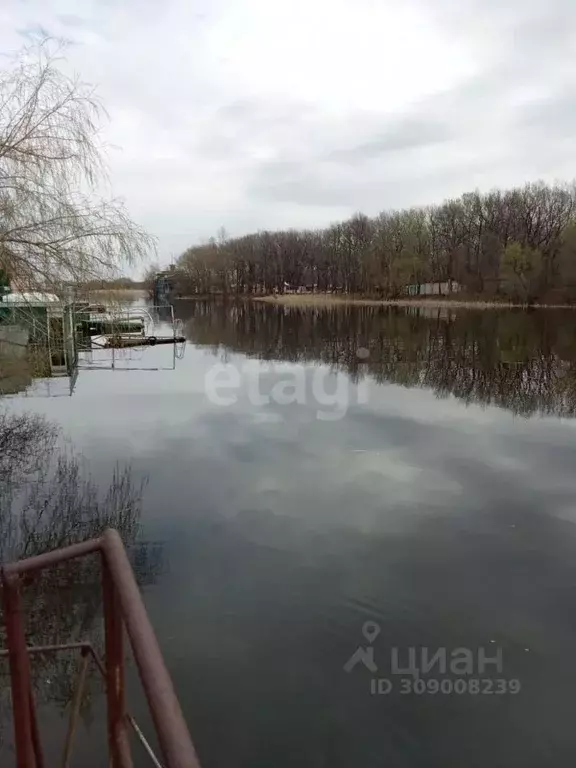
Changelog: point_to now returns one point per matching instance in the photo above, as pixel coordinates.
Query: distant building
(162, 288)
(167, 285)
(432, 289)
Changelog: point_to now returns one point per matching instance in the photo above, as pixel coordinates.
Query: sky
(266, 114)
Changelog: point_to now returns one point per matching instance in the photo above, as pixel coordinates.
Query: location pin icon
(370, 630)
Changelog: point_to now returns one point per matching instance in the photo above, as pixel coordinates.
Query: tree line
(519, 243)
(524, 362)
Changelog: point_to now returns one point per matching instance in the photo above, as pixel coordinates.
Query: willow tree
(55, 225)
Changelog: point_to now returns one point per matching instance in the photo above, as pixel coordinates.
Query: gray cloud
(403, 134)
(491, 128)
(72, 20)
(553, 115)
(255, 115)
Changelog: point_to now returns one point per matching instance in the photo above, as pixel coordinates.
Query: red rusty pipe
(38, 562)
(19, 671)
(83, 646)
(36, 742)
(171, 728)
(114, 665)
(80, 645)
(123, 745)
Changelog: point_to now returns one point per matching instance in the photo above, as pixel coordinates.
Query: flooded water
(320, 482)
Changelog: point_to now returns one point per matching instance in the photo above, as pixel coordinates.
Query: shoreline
(121, 293)
(324, 300)
(327, 300)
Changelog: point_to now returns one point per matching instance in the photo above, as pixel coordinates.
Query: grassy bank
(330, 300)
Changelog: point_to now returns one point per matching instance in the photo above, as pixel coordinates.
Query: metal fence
(123, 610)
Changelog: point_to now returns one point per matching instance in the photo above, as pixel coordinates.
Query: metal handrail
(123, 606)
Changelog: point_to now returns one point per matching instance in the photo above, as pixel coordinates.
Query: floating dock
(122, 342)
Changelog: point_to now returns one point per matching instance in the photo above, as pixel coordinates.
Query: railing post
(36, 742)
(123, 604)
(76, 706)
(19, 672)
(171, 727)
(117, 741)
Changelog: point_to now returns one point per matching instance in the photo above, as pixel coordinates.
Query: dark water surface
(311, 471)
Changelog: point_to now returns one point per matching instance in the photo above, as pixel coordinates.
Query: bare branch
(53, 225)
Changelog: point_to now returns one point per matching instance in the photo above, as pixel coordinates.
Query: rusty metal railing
(123, 609)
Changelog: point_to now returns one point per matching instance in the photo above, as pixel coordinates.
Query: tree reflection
(522, 361)
(48, 500)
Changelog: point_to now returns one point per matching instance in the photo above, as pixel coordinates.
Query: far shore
(330, 300)
(326, 300)
(117, 294)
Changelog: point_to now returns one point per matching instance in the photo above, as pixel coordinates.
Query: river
(331, 489)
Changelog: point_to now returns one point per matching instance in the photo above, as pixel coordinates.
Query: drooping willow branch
(54, 225)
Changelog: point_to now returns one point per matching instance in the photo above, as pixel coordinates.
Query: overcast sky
(254, 114)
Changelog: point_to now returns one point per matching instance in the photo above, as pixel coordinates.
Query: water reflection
(450, 528)
(522, 361)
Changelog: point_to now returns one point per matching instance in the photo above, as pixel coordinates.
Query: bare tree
(54, 225)
(464, 239)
